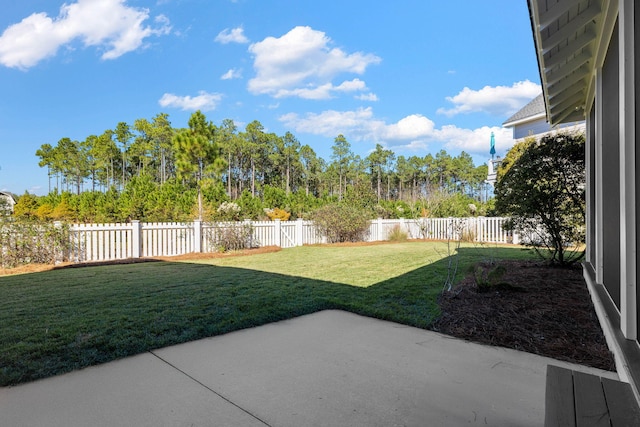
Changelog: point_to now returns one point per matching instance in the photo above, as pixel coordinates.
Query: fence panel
(264, 233)
(167, 239)
(100, 242)
(103, 242)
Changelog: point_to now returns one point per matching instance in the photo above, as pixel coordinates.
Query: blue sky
(413, 75)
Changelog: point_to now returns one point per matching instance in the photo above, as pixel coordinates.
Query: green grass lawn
(57, 321)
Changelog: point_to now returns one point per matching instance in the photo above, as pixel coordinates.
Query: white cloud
(324, 91)
(411, 127)
(358, 124)
(108, 24)
(367, 97)
(232, 74)
(204, 101)
(235, 35)
(411, 133)
(301, 63)
(475, 140)
(498, 100)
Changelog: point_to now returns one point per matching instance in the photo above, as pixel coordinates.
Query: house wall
(535, 127)
(613, 154)
(637, 134)
(8, 202)
(610, 162)
(592, 248)
(540, 127)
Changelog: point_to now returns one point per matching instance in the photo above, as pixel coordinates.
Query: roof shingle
(534, 108)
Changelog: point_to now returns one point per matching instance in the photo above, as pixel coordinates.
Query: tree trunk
(253, 178)
(229, 177)
(199, 203)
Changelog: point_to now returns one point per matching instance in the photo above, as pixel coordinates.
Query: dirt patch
(534, 308)
(25, 269)
(35, 268)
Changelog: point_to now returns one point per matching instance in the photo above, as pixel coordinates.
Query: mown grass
(57, 321)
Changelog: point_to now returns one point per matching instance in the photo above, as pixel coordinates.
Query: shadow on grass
(62, 320)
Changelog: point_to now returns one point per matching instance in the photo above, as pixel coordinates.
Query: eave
(570, 37)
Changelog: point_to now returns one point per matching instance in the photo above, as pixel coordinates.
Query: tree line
(209, 164)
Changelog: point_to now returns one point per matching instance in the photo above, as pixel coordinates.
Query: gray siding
(591, 185)
(637, 107)
(537, 128)
(611, 166)
(531, 128)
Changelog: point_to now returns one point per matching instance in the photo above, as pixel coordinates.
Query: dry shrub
(397, 234)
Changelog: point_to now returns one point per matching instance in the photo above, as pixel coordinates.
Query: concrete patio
(330, 368)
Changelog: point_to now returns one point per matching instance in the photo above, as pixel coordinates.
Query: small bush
(231, 237)
(342, 223)
(397, 234)
(490, 277)
(468, 236)
(277, 213)
(228, 211)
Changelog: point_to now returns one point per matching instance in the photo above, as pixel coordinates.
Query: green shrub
(489, 277)
(342, 223)
(541, 187)
(250, 206)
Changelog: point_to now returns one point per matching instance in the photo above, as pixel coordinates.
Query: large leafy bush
(541, 186)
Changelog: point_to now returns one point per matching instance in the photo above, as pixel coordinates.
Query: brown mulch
(534, 308)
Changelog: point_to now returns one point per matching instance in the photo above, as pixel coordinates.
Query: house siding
(636, 31)
(612, 103)
(531, 128)
(611, 166)
(591, 188)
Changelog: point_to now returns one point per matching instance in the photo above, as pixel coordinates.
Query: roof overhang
(570, 37)
(8, 196)
(525, 120)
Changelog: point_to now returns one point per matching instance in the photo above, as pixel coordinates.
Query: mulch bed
(534, 308)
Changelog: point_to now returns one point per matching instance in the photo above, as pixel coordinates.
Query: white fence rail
(104, 242)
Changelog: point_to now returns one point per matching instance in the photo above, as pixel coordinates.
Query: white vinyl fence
(104, 242)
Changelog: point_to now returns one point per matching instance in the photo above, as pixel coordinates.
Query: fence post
(278, 232)
(197, 235)
(299, 232)
(60, 254)
(246, 224)
(516, 238)
(379, 231)
(136, 238)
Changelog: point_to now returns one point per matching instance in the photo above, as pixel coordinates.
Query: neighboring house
(531, 120)
(7, 201)
(588, 55)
